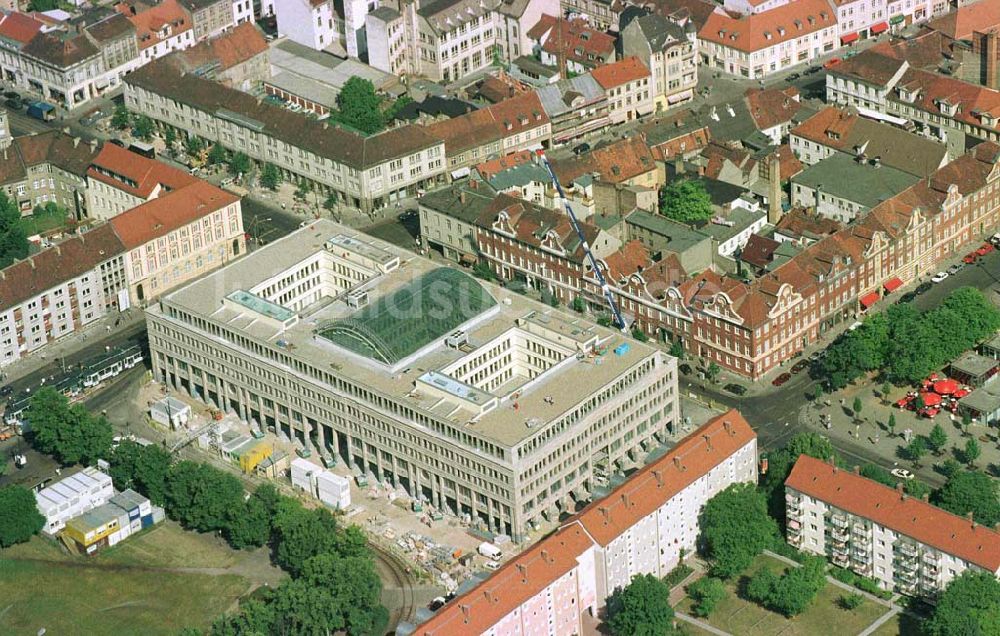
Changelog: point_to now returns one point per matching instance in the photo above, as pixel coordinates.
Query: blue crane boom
(605, 289)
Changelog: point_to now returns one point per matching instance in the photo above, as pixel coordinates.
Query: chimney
(490, 596)
(93, 145)
(708, 442)
(461, 196)
(899, 487)
(857, 469)
(774, 192)
(926, 498)
(625, 500)
(465, 611)
(523, 570)
(990, 63)
(658, 476)
(678, 465)
(679, 164)
(547, 557)
(968, 515)
(76, 141)
(606, 514)
(31, 261)
(728, 426)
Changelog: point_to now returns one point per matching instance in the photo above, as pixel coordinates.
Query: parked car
(832, 62)
(970, 258)
(908, 297)
(954, 269)
(6, 390)
(685, 368)
(940, 276)
(92, 118)
(736, 389)
(11, 95)
(792, 77)
(922, 287)
(985, 249)
(581, 148)
(14, 103)
(800, 366)
(902, 473)
(781, 379)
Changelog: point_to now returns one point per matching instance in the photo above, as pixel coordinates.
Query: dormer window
(948, 108)
(767, 35)
(907, 95)
(781, 31)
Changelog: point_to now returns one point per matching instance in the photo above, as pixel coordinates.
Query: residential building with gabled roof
(669, 50)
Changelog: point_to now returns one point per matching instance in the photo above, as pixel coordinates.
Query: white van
(492, 566)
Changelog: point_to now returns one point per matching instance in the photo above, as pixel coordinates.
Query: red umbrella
(945, 387)
(930, 399)
(961, 393)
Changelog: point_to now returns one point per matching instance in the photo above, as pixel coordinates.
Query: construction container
(333, 490)
(303, 474)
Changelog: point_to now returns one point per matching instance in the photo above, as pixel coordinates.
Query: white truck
(490, 551)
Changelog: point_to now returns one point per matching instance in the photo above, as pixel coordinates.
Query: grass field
(900, 625)
(149, 584)
(743, 618)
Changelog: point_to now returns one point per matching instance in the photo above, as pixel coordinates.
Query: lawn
(899, 625)
(740, 617)
(132, 588)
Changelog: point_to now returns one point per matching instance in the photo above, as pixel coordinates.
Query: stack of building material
(304, 475)
(333, 490)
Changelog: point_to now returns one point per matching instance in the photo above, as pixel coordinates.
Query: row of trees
(789, 593)
(71, 434)
(907, 345)
(333, 586)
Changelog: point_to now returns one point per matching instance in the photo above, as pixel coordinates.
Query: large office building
(477, 400)
(904, 543)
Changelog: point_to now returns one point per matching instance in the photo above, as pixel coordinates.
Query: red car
(781, 379)
(970, 258)
(832, 62)
(986, 248)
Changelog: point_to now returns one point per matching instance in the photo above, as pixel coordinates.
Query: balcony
(860, 531)
(839, 560)
(908, 565)
(840, 521)
(907, 550)
(908, 576)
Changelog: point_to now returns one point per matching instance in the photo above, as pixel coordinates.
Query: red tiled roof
(655, 484)
(165, 214)
(631, 258)
(489, 169)
(768, 28)
(575, 38)
(619, 73)
(717, 154)
(228, 49)
(886, 506)
(506, 119)
(134, 173)
(149, 20)
(52, 267)
(758, 250)
(616, 163)
(476, 611)
(772, 107)
(19, 27)
(964, 21)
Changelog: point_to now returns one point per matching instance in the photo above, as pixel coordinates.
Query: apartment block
(119, 180)
(559, 585)
(904, 543)
(670, 51)
(629, 89)
(463, 400)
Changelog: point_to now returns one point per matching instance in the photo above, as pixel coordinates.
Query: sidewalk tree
(916, 449)
(121, 119)
(735, 528)
(686, 201)
(169, 136)
(217, 155)
(193, 145)
(143, 127)
(302, 190)
(330, 203)
(937, 439)
(779, 465)
(856, 407)
(891, 424)
(917, 489)
(707, 592)
(578, 305)
(270, 176)
(970, 604)
(972, 451)
(966, 423)
(971, 491)
(949, 468)
(642, 608)
(239, 163)
(71, 434)
(712, 372)
(886, 388)
(879, 474)
(19, 516)
(677, 350)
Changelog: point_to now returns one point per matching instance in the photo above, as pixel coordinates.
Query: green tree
(239, 163)
(891, 424)
(949, 467)
(639, 334)
(330, 203)
(850, 602)
(916, 488)
(886, 388)
(712, 372)
(735, 528)
(856, 407)
(201, 497)
(937, 439)
(302, 190)
(255, 618)
(780, 463)
(971, 491)
(578, 305)
(251, 526)
(759, 586)
(13, 239)
(966, 422)
(677, 350)
(685, 200)
(879, 474)
(359, 106)
(122, 119)
(707, 592)
(71, 434)
(19, 516)
(194, 145)
(270, 176)
(142, 127)
(792, 593)
(972, 451)
(217, 155)
(642, 608)
(482, 270)
(143, 468)
(916, 449)
(170, 136)
(302, 534)
(970, 604)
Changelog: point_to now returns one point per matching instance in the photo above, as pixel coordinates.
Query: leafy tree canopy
(707, 592)
(736, 528)
(971, 491)
(685, 200)
(13, 238)
(969, 605)
(202, 497)
(71, 434)
(642, 608)
(19, 516)
(360, 107)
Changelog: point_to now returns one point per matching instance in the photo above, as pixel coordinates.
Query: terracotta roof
(800, 222)
(871, 66)
(505, 119)
(149, 20)
(717, 155)
(886, 506)
(768, 28)
(616, 163)
(19, 27)
(575, 38)
(534, 225)
(66, 153)
(167, 213)
(619, 73)
(488, 169)
(788, 163)
(759, 250)
(961, 23)
(934, 90)
(52, 267)
(511, 586)
(227, 50)
(772, 107)
(631, 258)
(648, 489)
(60, 49)
(135, 174)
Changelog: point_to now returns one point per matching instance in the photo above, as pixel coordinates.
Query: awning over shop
(869, 299)
(881, 27)
(892, 285)
(849, 38)
(896, 19)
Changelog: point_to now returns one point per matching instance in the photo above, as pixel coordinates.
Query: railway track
(391, 570)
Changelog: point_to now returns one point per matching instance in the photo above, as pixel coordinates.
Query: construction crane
(605, 289)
